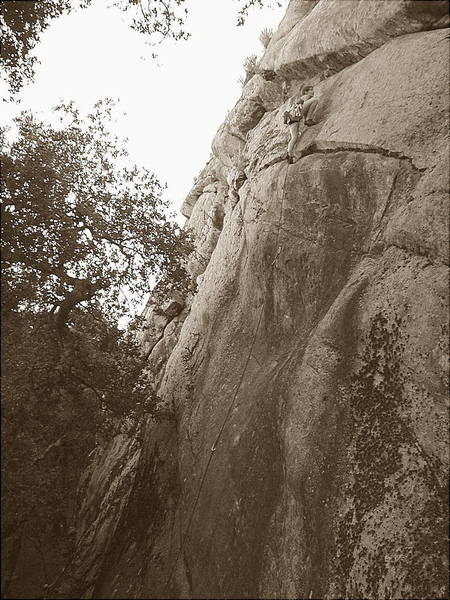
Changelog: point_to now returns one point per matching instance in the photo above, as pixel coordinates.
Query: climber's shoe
(290, 159)
(310, 122)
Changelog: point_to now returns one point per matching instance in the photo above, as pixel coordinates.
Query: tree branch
(83, 290)
(56, 444)
(88, 385)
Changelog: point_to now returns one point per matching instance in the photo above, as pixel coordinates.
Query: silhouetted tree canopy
(78, 224)
(22, 23)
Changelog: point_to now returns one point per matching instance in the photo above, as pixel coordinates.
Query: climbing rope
(231, 406)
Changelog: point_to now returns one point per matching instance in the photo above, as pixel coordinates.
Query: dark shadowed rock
(303, 450)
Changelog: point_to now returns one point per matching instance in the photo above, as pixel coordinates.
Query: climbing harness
(294, 114)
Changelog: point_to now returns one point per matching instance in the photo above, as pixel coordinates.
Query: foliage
(251, 63)
(243, 12)
(22, 23)
(163, 17)
(265, 36)
(59, 394)
(251, 67)
(79, 226)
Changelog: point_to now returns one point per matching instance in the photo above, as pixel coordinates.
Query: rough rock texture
(306, 452)
(332, 34)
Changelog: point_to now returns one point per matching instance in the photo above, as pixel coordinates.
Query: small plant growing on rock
(251, 67)
(265, 36)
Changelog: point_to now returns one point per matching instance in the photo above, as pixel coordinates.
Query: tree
(60, 397)
(244, 10)
(22, 23)
(79, 225)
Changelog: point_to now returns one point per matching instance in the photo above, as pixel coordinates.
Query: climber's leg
(293, 132)
(309, 110)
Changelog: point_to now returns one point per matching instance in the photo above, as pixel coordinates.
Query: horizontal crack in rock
(328, 147)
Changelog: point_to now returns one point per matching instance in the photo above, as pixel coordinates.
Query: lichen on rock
(304, 447)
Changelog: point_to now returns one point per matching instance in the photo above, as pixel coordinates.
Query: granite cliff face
(303, 448)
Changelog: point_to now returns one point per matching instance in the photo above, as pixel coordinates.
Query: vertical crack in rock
(304, 453)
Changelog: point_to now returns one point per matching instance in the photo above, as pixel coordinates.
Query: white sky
(173, 105)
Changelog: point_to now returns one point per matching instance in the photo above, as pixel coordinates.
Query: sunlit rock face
(305, 455)
(332, 34)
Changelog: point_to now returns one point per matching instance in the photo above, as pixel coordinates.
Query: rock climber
(300, 110)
